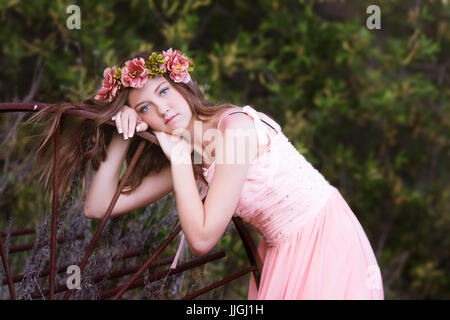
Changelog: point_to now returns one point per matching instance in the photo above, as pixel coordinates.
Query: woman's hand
(127, 121)
(176, 148)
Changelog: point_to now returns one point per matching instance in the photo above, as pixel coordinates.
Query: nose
(164, 111)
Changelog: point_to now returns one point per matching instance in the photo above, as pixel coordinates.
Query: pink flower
(110, 85)
(177, 65)
(134, 74)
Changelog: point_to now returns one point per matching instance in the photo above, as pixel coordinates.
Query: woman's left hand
(176, 148)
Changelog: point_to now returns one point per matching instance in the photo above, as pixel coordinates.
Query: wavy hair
(88, 139)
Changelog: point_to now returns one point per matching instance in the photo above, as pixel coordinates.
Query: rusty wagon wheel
(135, 280)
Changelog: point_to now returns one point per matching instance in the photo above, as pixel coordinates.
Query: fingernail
(120, 131)
(125, 136)
(113, 118)
(131, 135)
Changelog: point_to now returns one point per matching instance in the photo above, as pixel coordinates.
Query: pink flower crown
(136, 72)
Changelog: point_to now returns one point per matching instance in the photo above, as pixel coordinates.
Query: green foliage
(368, 108)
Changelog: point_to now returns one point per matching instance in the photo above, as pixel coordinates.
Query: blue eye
(144, 108)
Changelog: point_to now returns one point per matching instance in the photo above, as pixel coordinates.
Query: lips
(167, 121)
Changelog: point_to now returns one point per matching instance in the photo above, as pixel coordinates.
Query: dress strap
(261, 131)
(177, 255)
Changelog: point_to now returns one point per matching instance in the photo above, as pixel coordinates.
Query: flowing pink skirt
(329, 258)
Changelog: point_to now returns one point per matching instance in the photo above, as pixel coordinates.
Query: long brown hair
(88, 139)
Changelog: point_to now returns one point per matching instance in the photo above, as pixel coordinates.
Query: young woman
(312, 246)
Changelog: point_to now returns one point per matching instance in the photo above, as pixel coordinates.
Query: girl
(313, 246)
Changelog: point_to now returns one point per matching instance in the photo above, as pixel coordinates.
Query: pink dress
(313, 246)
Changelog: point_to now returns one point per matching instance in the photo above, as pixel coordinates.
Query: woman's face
(157, 102)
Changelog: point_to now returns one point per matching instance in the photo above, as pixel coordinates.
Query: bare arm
(203, 223)
(105, 180)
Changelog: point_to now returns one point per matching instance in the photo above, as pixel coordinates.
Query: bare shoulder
(236, 129)
(234, 118)
(241, 119)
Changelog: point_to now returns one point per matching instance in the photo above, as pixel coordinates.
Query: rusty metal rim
(255, 260)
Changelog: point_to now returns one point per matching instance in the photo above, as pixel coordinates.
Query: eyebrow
(159, 85)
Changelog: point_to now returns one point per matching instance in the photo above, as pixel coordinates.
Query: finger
(119, 122)
(131, 126)
(142, 126)
(125, 125)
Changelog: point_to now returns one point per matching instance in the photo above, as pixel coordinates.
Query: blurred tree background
(368, 108)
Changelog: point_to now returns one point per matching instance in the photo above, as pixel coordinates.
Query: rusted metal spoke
(148, 262)
(112, 275)
(14, 107)
(108, 211)
(219, 283)
(30, 245)
(43, 273)
(54, 208)
(12, 292)
(18, 232)
(250, 248)
(160, 275)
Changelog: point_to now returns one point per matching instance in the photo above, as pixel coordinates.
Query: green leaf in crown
(153, 64)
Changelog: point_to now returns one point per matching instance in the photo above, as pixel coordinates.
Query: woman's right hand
(127, 121)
